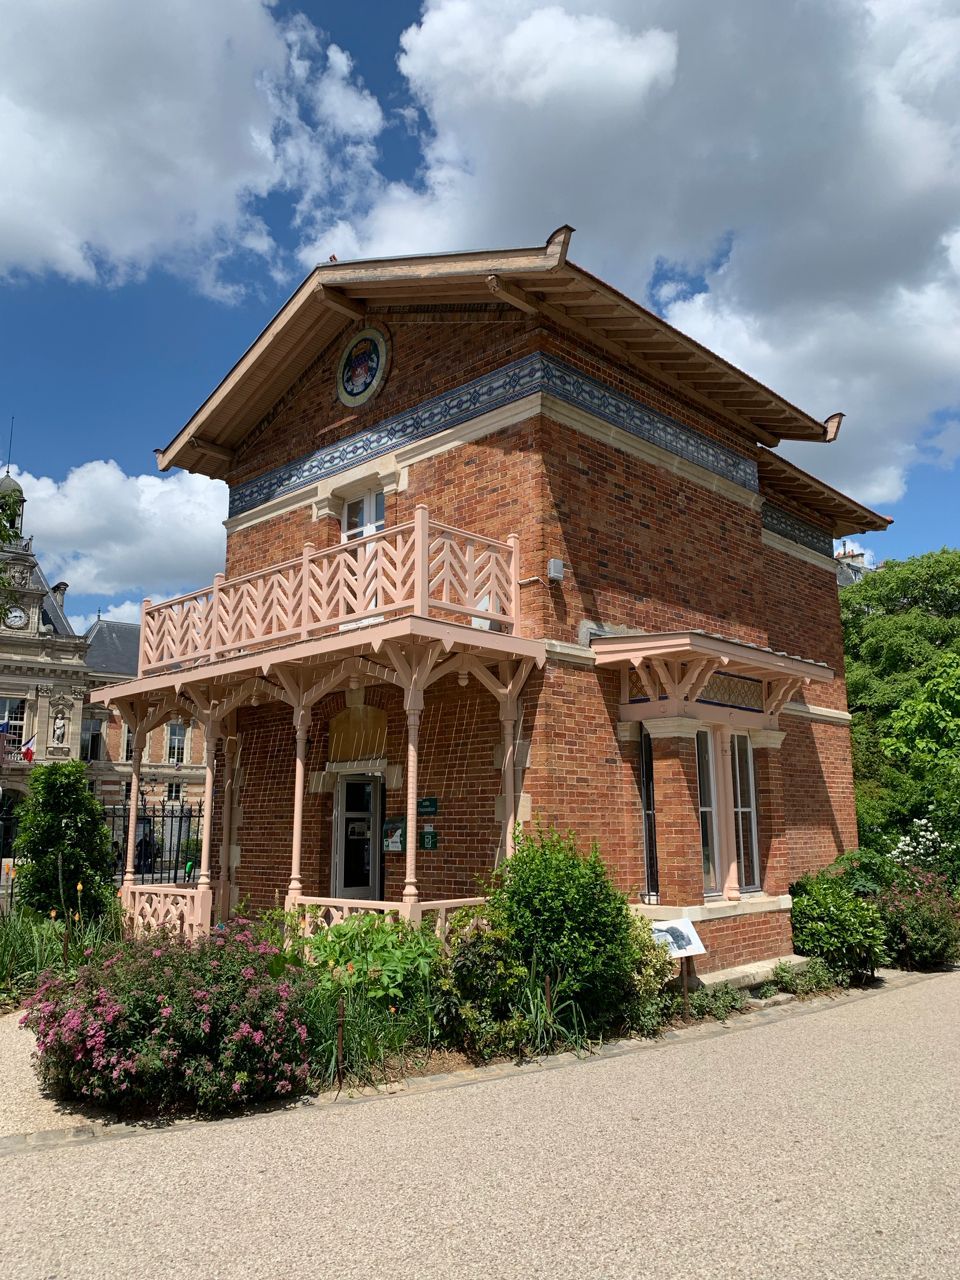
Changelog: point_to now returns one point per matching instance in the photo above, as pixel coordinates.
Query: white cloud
(798, 162)
(783, 178)
(106, 533)
(125, 611)
(138, 134)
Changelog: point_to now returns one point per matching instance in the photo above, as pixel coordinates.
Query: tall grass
(32, 944)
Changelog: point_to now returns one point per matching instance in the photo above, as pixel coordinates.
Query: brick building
(504, 547)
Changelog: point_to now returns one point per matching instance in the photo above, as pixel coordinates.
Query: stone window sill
(717, 909)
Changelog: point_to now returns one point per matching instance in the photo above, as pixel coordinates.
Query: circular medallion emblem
(363, 367)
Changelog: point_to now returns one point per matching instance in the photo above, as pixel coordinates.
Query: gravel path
(814, 1141)
(22, 1109)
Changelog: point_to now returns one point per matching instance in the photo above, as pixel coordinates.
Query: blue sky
(174, 172)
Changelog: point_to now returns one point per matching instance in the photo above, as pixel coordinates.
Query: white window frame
(708, 812)
(6, 714)
(178, 788)
(170, 756)
(739, 793)
(369, 521)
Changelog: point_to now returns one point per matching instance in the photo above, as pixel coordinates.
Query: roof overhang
(674, 669)
(536, 282)
(213, 680)
(842, 515)
(681, 646)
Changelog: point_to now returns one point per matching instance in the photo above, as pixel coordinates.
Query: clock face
(16, 617)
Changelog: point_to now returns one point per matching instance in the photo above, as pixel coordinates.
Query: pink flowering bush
(922, 919)
(165, 1025)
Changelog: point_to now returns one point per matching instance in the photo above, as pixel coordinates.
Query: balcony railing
(420, 567)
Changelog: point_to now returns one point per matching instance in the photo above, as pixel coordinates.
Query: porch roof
(313, 657)
(733, 656)
(537, 282)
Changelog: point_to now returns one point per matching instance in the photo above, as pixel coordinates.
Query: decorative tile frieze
(733, 691)
(796, 530)
(531, 374)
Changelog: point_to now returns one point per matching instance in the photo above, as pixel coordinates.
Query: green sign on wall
(427, 807)
(429, 838)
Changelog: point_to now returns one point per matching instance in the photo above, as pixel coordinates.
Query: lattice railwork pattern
(734, 691)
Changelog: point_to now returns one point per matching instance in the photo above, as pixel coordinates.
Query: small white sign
(680, 936)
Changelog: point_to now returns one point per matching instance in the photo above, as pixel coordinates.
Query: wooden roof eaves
(845, 514)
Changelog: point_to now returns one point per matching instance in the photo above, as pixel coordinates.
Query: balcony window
(13, 713)
(91, 739)
(363, 515)
(176, 742)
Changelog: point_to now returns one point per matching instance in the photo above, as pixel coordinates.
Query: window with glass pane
(174, 790)
(708, 819)
(176, 742)
(745, 812)
(13, 713)
(649, 816)
(363, 516)
(91, 739)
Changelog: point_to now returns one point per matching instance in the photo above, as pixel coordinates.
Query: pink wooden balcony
(421, 568)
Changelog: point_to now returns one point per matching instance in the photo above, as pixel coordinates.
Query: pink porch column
(210, 748)
(223, 892)
(413, 733)
(137, 762)
(302, 724)
(508, 724)
(727, 817)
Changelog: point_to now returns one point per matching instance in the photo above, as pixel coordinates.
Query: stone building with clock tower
(46, 674)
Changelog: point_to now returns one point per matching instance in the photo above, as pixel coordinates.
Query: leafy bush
(32, 944)
(563, 915)
(389, 958)
(866, 871)
(813, 979)
(382, 971)
(479, 989)
(162, 1024)
(922, 920)
(831, 922)
(63, 845)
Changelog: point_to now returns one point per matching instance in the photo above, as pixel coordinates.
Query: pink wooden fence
(420, 567)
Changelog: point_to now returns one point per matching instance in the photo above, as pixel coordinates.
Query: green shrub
(389, 958)
(922, 921)
(866, 872)
(66, 861)
(480, 986)
(383, 971)
(717, 1001)
(562, 913)
(811, 980)
(166, 1025)
(832, 923)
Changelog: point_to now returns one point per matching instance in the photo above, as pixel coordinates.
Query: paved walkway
(814, 1141)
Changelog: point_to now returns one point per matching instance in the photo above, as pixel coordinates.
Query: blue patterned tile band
(796, 530)
(492, 391)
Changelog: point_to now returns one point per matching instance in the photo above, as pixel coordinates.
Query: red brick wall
(737, 940)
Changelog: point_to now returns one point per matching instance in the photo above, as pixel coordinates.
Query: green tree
(63, 844)
(902, 638)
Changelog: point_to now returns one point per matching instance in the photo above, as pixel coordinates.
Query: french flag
(28, 750)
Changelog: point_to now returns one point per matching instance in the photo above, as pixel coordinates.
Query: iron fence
(168, 837)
